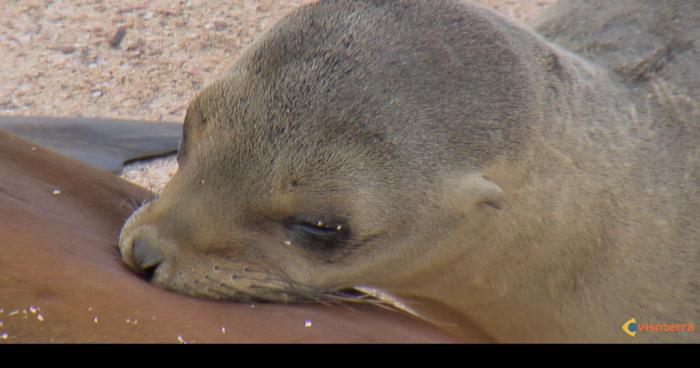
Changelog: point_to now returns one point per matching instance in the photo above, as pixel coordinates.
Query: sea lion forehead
(429, 70)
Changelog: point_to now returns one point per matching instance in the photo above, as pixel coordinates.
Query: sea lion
(448, 156)
(63, 281)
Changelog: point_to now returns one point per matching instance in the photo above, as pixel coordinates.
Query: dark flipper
(104, 143)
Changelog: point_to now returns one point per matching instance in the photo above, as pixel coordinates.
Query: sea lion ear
(191, 131)
(475, 189)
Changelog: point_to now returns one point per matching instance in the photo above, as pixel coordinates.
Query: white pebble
(56, 192)
(4, 336)
(308, 323)
(40, 318)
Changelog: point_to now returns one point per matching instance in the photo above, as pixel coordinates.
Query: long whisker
(276, 286)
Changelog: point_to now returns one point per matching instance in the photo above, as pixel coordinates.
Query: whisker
(130, 202)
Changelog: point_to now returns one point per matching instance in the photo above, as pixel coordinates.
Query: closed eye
(315, 230)
(316, 234)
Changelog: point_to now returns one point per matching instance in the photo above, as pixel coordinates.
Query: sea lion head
(341, 149)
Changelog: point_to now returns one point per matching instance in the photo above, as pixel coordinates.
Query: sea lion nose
(146, 257)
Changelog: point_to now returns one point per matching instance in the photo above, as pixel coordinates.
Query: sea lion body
(434, 150)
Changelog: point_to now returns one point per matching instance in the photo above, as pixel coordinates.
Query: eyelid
(317, 231)
(331, 222)
(308, 230)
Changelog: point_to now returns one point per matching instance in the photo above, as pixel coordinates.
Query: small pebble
(307, 323)
(96, 319)
(56, 192)
(4, 336)
(33, 309)
(223, 329)
(181, 340)
(118, 37)
(40, 318)
(66, 49)
(220, 25)
(13, 313)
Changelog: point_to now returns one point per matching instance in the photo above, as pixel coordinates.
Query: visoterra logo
(631, 327)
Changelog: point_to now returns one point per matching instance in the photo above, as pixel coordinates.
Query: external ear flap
(475, 189)
(191, 131)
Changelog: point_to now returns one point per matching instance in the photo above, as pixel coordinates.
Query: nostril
(146, 257)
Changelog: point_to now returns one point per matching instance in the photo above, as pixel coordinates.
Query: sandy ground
(134, 59)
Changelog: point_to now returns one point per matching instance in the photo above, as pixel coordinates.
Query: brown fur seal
(62, 279)
(443, 154)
